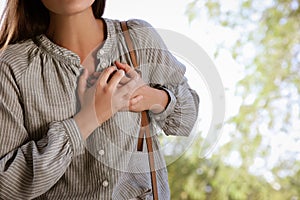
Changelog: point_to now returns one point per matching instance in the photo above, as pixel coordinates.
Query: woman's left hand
(150, 98)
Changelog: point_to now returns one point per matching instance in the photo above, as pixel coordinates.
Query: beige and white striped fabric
(42, 155)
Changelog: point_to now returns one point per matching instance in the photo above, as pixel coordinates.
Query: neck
(80, 33)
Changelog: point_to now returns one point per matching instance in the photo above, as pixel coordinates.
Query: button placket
(106, 181)
(104, 173)
(102, 65)
(100, 56)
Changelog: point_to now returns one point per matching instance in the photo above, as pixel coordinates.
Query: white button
(101, 152)
(105, 183)
(103, 64)
(101, 51)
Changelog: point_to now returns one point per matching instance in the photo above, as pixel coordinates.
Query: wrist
(161, 100)
(85, 124)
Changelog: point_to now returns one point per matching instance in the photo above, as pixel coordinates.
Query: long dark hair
(24, 19)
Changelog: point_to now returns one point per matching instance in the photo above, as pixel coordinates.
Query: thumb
(82, 84)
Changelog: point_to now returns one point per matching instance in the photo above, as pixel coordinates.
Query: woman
(68, 128)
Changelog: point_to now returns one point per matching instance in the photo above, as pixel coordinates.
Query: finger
(124, 80)
(115, 79)
(82, 84)
(133, 74)
(96, 75)
(104, 76)
(122, 66)
(135, 100)
(111, 75)
(132, 104)
(129, 88)
(93, 81)
(135, 104)
(130, 72)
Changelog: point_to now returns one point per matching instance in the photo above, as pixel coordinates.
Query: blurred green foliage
(272, 77)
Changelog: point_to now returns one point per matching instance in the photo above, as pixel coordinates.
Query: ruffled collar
(67, 55)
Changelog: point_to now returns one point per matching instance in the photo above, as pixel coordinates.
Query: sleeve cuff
(78, 144)
(169, 109)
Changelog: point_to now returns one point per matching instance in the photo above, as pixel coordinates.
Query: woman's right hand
(103, 99)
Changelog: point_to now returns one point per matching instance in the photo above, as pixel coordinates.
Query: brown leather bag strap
(144, 127)
(129, 43)
(150, 157)
(132, 54)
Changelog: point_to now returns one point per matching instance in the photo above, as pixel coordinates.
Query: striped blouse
(42, 154)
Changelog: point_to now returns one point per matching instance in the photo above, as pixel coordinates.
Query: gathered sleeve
(167, 73)
(30, 168)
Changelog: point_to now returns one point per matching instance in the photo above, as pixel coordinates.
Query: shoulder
(142, 33)
(138, 23)
(132, 23)
(16, 57)
(143, 29)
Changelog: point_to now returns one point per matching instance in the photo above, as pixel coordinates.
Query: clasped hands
(117, 88)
